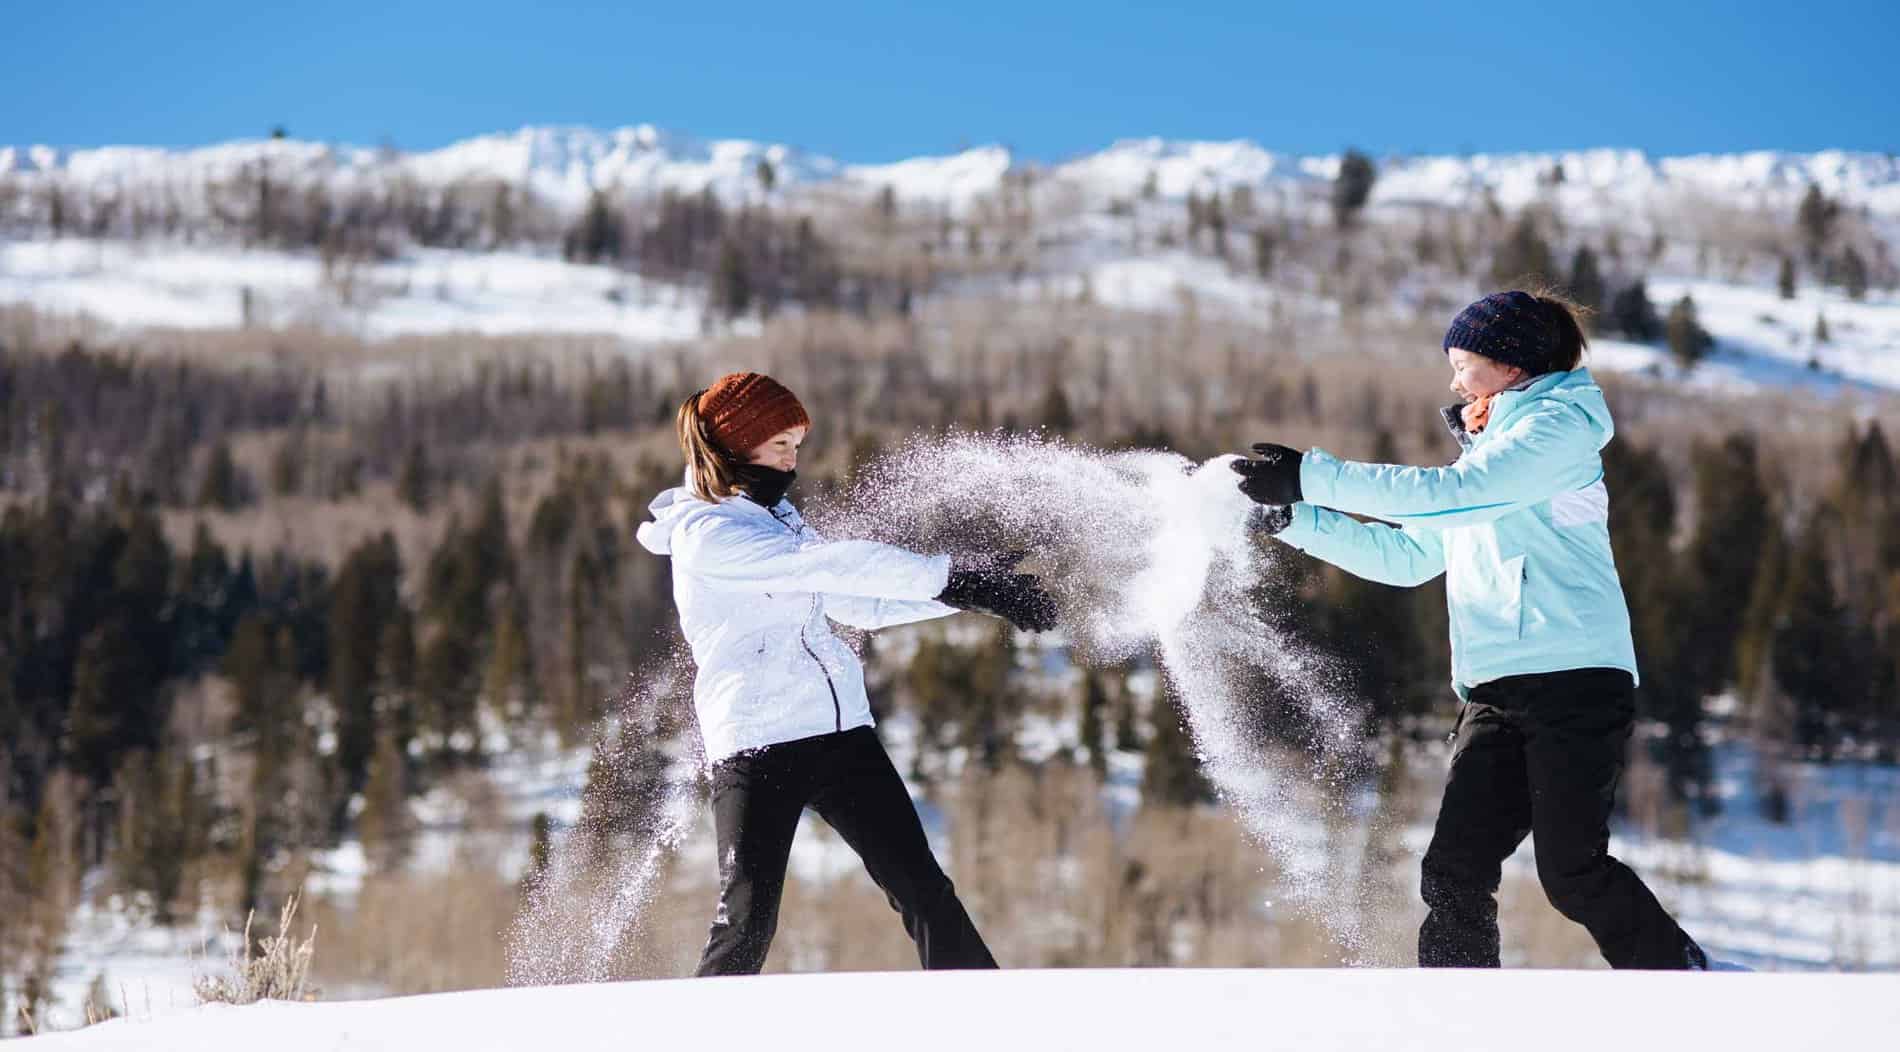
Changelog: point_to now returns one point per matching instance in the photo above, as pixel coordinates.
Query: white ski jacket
(754, 588)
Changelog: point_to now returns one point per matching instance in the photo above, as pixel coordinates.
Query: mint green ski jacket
(1519, 526)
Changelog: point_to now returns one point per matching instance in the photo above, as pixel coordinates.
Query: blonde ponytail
(712, 472)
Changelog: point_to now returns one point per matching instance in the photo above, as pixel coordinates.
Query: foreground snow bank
(1312, 1011)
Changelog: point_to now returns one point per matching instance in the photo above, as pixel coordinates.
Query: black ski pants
(1541, 755)
(848, 779)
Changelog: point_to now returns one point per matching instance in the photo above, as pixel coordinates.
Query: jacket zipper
(837, 710)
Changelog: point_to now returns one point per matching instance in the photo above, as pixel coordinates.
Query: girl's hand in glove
(1274, 478)
(992, 588)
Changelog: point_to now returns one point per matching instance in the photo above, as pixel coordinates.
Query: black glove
(1274, 478)
(992, 588)
(1270, 518)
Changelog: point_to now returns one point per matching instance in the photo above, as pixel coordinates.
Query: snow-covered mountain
(562, 164)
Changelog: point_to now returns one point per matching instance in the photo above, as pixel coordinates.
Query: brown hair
(713, 473)
(1566, 318)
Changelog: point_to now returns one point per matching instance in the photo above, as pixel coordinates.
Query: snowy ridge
(1178, 168)
(1098, 1011)
(562, 164)
(954, 180)
(565, 164)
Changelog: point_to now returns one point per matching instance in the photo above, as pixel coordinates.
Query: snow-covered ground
(1819, 893)
(1085, 1010)
(429, 291)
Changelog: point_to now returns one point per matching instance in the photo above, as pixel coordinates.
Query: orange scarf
(1477, 414)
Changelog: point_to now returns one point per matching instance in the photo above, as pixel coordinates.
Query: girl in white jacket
(780, 699)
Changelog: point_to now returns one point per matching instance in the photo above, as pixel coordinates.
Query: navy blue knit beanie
(1509, 327)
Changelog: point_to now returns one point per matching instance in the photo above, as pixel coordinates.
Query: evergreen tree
(1754, 647)
(1524, 258)
(1092, 735)
(597, 236)
(414, 485)
(366, 597)
(1172, 775)
(501, 217)
(1811, 653)
(161, 827)
(540, 848)
(1264, 244)
(1784, 281)
(1820, 329)
(396, 672)
(1658, 592)
(202, 614)
(1352, 186)
(1816, 217)
(1688, 341)
(107, 671)
(1056, 415)
(1733, 522)
(286, 466)
(1853, 272)
(1127, 731)
(732, 282)
(221, 486)
(508, 662)
(1632, 315)
(1586, 280)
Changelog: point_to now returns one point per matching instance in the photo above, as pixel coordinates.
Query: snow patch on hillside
(428, 291)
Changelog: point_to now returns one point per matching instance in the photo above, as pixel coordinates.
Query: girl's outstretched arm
(1548, 451)
(1374, 551)
(758, 557)
(863, 612)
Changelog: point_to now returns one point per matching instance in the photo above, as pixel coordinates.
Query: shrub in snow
(273, 969)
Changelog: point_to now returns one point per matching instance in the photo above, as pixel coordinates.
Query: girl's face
(1473, 376)
(779, 452)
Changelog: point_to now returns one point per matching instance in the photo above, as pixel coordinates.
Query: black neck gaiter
(765, 485)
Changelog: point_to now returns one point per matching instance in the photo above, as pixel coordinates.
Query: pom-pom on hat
(1509, 327)
(746, 409)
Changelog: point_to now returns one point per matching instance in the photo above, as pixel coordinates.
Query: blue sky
(879, 81)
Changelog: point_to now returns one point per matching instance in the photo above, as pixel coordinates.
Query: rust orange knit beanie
(746, 409)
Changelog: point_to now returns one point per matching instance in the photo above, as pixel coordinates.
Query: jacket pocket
(1516, 575)
(1487, 600)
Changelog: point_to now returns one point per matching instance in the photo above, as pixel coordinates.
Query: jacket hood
(1576, 387)
(670, 510)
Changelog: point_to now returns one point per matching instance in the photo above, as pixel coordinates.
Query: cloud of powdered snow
(586, 906)
(1147, 552)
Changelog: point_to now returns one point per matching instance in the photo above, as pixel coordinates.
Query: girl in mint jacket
(1540, 634)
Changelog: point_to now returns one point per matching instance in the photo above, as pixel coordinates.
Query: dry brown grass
(417, 933)
(271, 968)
